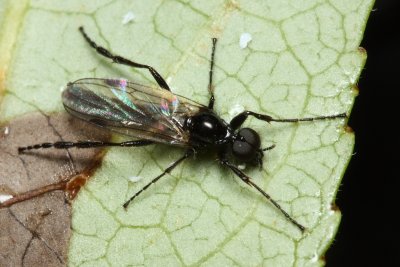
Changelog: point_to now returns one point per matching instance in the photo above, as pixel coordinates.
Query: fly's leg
(249, 182)
(187, 154)
(210, 80)
(120, 60)
(238, 120)
(84, 144)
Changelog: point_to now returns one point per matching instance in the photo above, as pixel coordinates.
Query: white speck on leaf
(4, 198)
(6, 130)
(331, 211)
(314, 258)
(245, 39)
(235, 110)
(242, 166)
(128, 17)
(135, 179)
(168, 80)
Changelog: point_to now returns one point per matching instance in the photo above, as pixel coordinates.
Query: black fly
(156, 115)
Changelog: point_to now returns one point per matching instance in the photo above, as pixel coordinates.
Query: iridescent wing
(131, 109)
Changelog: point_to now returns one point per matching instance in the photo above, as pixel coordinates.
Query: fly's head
(246, 147)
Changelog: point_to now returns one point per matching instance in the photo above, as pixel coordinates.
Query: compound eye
(246, 145)
(250, 136)
(243, 150)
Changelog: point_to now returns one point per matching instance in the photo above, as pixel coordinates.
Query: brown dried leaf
(36, 232)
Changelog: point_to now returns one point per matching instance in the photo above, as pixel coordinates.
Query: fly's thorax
(206, 128)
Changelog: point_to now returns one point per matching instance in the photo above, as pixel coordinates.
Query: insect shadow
(156, 115)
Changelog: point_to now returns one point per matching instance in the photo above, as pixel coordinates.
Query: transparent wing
(131, 109)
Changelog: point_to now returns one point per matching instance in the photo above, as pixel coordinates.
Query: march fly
(156, 115)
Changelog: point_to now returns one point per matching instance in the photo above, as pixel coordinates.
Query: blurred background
(369, 197)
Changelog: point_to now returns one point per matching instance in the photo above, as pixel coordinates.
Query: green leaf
(303, 60)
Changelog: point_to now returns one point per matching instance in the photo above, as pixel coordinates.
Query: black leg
(210, 81)
(120, 60)
(249, 182)
(269, 148)
(84, 144)
(187, 154)
(238, 120)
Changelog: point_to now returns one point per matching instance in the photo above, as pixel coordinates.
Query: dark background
(369, 197)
